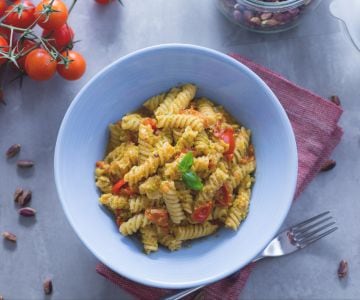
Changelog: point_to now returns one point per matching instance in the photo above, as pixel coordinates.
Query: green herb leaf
(186, 163)
(192, 181)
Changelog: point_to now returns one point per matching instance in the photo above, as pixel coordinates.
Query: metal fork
(292, 239)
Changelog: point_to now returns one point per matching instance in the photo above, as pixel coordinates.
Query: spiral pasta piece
(241, 145)
(185, 196)
(131, 122)
(170, 242)
(172, 201)
(239, 209)
(151, 187)
(138, 204)
(149, 239)
(154, 102)
(146, 141)
(180, 121)
(150, 166)
(114, 202)
(212, 185)
(165, 106)
(104, 184)
(207, 109)
(133, 224)
(117, 136)
(220, 213)
(189, 232)
(186, 140)
(238, 173)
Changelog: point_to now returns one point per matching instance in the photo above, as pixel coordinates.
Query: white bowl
(122, 87)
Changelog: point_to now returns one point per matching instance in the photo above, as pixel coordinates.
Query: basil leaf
(192, 181)
(186, 162)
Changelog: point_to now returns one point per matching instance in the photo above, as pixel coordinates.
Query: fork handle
(184, 293)
(187, 292)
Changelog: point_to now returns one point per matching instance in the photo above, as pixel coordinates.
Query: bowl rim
(226, 59)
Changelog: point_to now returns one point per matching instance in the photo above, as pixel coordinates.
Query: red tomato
(5, 33)
(61, 37)
(75, 68)
(228, 137)
(39, 65)
(202, 212)
(222, 196)
(3, 6)
(4, 47)
(103, 2)
(23, 15)
(151, 122)
(118, 185)
(23, 47)
(158, 216)
(51, 16)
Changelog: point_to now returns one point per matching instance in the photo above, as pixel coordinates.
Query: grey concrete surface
(317, 55)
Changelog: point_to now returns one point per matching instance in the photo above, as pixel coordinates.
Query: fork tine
(304, 230)
(307, 242)
(309, 220)
(302, 237)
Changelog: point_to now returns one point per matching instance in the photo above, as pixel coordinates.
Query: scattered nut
(27, 212)
(25, 163)
(335, 99)
(343, 269)
(24, 198)
(48, 287)
(328, 165)
(18, 192)
(13, 150)
(255, 20)
(266, 16)
(9, 236)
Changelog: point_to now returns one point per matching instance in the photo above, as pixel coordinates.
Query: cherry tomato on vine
(5, 33)
(4, 47)
(23, 47)
(61, 37)
(3, 6)
(23, 14)
(39, 65)
(75, 67)
(51, 16)
(104, 2)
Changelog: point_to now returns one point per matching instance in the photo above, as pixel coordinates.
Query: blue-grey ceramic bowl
(122, 87)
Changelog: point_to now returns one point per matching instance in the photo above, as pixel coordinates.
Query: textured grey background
(317, 55)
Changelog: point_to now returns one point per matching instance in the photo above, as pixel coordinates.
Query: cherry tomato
(51, 16)
(39, 65)
(23, 15)
(222, 196)
(24, 46)
(3, 6)
(158, 216)
(5, 33)
(75, 68)
(4, 47)
(61, 37)
(202, 212)
(228, 137)
(151, 122)
(104, 2)
(118, 185)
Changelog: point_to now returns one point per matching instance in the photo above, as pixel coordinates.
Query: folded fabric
(315, 124)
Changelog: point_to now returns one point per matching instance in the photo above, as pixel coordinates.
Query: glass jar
(266, 15)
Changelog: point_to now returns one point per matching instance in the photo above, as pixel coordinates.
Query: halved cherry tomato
(158, 216)
(23, 14)
(51, 16)
(118, 185)
(222, 196)
(202, 212)
(4, 47)
(39, 65)
(3, 6)
(61, 37)
(75, 68)
(151, 122)
(128, 191)
(23, 47)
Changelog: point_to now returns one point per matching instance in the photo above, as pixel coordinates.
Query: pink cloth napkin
(315, 124)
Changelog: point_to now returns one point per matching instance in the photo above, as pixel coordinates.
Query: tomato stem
(72, 6)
